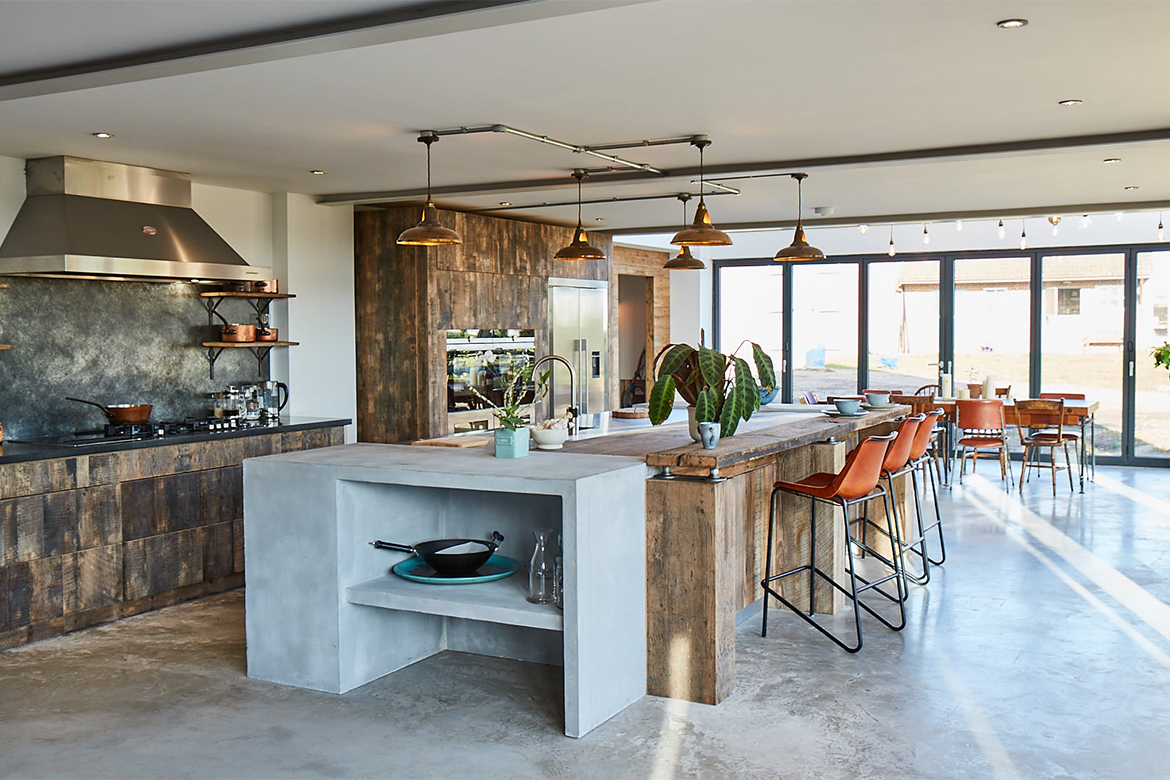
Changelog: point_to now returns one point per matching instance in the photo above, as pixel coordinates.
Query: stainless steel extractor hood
(84, 218)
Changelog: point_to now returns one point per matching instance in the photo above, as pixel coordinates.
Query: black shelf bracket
(213, 354)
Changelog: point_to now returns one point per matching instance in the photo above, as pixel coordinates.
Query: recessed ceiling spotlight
(599, 219)
(1131, 188)
(1011, 24)
(1111, 160)
(103, 136)
(317, 172)
(1070, 102)
(505, 203)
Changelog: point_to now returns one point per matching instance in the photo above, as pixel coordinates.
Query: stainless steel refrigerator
(578, 318)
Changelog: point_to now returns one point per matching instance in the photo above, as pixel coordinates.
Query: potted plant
(512, 435)
(718, 388)
(1162, 356)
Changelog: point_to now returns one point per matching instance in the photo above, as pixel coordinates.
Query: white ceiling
(768, 81)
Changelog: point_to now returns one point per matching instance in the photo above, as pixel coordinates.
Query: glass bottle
(542, 570)
(559, 575)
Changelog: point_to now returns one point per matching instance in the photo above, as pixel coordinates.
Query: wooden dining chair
(931, 390)
(809, 397)
(1040, 422)
(981, 427)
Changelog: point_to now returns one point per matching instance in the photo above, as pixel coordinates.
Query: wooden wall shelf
(260, 301)
(256, 295)
(249, 344)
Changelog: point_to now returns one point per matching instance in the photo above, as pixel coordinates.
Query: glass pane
(903, 325)
(824, 329)
(1082, 335)
(992, 322)
(1152, 409)
(751, 308)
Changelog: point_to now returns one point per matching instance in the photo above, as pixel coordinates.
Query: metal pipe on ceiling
(594, 202)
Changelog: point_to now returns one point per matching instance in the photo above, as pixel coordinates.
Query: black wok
(459, 564)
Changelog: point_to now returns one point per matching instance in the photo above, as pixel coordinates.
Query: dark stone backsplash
(111, 342)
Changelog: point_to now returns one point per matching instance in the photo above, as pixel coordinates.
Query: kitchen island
(324, 611)
(96, 533)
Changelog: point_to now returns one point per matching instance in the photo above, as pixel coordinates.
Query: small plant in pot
(720, 388)
(1162, 356)
(512, 435)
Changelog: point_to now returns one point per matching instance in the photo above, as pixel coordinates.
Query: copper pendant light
(579, 248)
(685, 261)
(701, 232)
(429, 232)
(799, 249)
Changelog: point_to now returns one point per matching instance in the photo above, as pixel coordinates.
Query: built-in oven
(481, 365)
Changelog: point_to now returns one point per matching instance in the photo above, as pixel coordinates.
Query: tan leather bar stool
(856, 485)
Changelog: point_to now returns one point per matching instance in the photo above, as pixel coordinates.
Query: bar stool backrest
(898, 454)
(863, 468)
(891, 392)
(922, 437)
(980, 415)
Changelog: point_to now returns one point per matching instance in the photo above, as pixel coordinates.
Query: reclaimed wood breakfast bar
(706, 532)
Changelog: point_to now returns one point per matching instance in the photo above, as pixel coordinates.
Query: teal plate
(416, 569)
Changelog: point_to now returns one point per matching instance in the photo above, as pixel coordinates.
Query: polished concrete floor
(1042, 649)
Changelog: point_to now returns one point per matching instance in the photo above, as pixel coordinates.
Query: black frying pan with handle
(450, 564)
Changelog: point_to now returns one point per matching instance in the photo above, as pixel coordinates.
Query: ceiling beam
(873, 220)
(414, 21)
(732, 171)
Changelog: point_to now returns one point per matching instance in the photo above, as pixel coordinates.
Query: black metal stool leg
(768, 560)
(942, 545)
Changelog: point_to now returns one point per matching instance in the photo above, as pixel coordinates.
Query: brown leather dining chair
(1071, 433)
(856, 485)
(981, 427)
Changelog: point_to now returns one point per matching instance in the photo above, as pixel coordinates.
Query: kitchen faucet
(572, 387)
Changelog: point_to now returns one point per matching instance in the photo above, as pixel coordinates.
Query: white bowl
(549, 438)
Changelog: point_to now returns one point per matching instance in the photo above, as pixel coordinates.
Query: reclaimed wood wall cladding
(408, 297)
(93, 538)
(631, 261)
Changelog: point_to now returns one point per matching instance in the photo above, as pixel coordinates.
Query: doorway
(635, 340)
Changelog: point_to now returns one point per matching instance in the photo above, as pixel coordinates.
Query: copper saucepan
(237, 333)
(121, 414)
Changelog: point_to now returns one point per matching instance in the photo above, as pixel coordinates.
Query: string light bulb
(925, 235)
(1055, 222)
(1023, 236)
(863, 229)
(1161, 230)
(891, 251)
(1119, 216)
(958, 225)
(1002, 231)
(1085, 221)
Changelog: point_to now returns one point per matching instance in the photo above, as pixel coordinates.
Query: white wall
(242, 217)
(313, 258)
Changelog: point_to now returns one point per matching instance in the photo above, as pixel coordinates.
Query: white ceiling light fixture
(1161, 230)
(1085, 221)
(1111, 160)
(1070, 102)
(1002, 231)
(1011, 24)
(925, 235)
(1132, 187)
(1119, 216)
(863, 229)
(317, 172)
(1023, 235)
(891, 251)
(958, 226)
(102, 136)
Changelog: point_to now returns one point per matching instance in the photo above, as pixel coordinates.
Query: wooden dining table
(1077, 412)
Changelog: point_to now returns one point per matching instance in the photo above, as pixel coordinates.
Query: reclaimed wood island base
(706, 536)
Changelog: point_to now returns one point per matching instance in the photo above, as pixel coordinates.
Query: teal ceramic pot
(511, 444)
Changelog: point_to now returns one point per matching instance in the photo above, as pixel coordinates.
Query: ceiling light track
(591, 202)
(591, 150)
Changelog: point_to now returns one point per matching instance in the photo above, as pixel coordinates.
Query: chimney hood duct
(90, 219)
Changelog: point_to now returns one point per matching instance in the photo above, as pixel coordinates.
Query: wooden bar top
(767, 433)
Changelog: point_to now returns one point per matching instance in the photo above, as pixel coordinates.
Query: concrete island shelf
(324, 611)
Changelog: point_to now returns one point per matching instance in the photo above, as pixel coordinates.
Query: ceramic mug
(877, 399)
(709, 434)
(847, 405)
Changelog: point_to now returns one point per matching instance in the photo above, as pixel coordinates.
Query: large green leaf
(661, 399)
(731, 413)
(674, 359)
(713, 365)
(764, 368)
(709, 405)
(746, 389)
